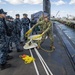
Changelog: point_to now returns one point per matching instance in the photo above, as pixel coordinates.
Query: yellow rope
(49, 51)
(27, 35)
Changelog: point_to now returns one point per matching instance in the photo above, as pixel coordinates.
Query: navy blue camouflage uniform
(15, 37)
(18, 26)
(3, 43)
(25, 24)
(10, 30)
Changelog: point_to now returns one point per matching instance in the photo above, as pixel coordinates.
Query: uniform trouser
(34, 31)
(22, 35)
(18, 35)
(3, 52)
(25, 29)
(50, 36)
(15, 39)
(9, 42)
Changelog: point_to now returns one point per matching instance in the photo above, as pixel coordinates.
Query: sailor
(3, 42)
(15, 37)
(10, 30)
(18, 23)
(46, 27)
(25, 24)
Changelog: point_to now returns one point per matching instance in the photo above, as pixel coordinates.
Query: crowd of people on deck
(12, 30)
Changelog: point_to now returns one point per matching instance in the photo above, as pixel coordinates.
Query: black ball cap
(11, 18)
(2, 11)
(7, 17)
(24, 14)
(17, 15)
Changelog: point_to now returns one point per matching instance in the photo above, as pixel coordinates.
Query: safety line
(34, 63)
(41, 58)
(42, 63)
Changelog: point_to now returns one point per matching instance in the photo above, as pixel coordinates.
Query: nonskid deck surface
(57, 61)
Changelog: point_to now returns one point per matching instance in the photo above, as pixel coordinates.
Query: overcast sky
(31, 6)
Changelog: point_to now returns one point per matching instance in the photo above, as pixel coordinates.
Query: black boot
(52, 47)
(9, 51)
(4, 66)
(21, 43)
(19, 50)
(9, 57)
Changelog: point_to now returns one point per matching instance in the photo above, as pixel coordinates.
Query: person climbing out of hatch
(46, 30)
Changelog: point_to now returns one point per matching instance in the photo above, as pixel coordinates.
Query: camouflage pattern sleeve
(37, 24)
(49, 27)
(41, 18)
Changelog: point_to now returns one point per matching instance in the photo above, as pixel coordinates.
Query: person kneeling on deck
(46, 30)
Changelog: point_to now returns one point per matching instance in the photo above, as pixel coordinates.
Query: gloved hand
(28, 32)
(43, 33)
(37, 36)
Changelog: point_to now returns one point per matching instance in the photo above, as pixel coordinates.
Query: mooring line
(34, 63)
(45, 66)
(42, 63)
(41, 58)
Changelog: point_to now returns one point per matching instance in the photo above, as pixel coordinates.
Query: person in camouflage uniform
(46, 27)
(25, 24)
(10, 29)
(18, 23)
(13, 34)
(41, 19)
(15, 37)
(3, 42)
(42, 16)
